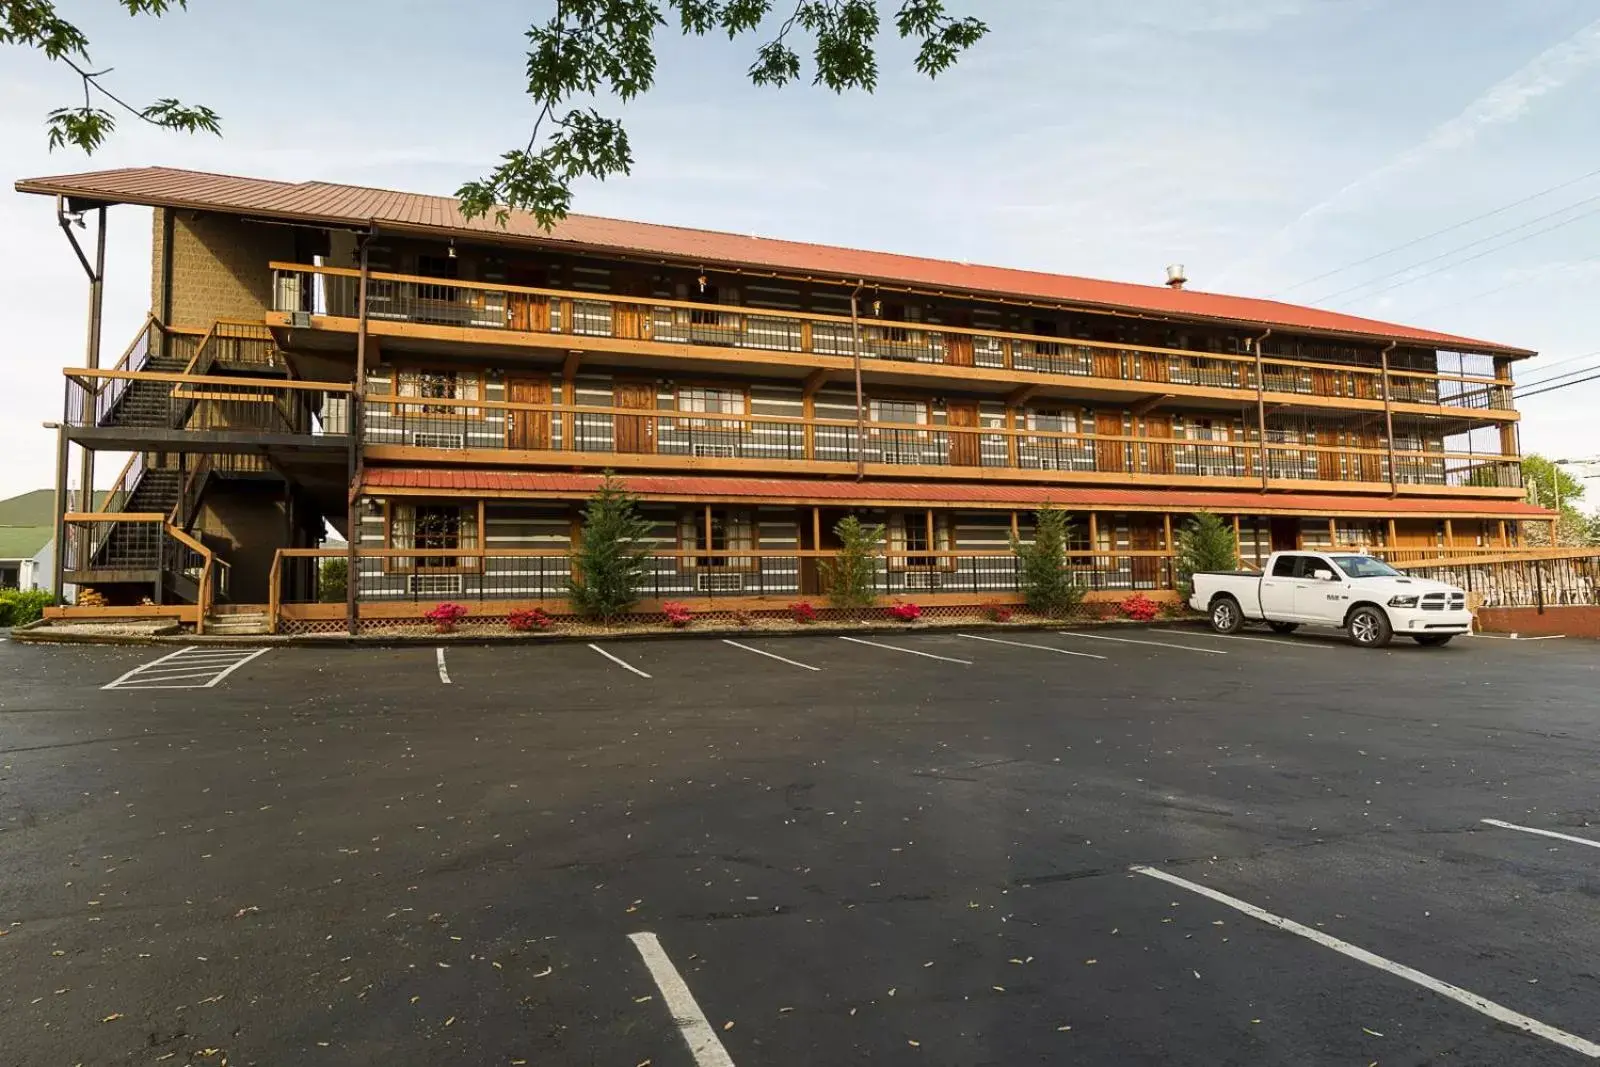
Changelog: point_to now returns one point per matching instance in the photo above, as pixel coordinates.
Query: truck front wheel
(1226, 618)
(1369, 627)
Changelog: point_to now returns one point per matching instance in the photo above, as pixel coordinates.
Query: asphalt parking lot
(1168, 848)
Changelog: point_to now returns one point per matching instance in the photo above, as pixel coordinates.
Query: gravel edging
(43, 635)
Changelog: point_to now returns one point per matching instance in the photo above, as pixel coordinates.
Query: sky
(1265, 144)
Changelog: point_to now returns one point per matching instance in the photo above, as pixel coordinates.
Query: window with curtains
(1054, 420)
(715, 401)
(910, 412)
(441, 385)
(728, 531)
(446, 527)
(908, 534)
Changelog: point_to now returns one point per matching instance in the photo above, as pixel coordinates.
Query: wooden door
(1159, 427)
(1325, 383)
(1327, 462)
(1108, 455)
(628, 320)
(964, 447)
(958, 349)
(1107, 363)
(634, 433)
(1152, 367)
(1145, 537)
(528, 429)
(1371, 463)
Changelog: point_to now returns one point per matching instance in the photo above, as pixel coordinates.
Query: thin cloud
(1501, 105)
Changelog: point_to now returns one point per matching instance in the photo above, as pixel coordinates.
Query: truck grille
(1443, 601)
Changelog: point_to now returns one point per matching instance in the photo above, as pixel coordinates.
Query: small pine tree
(1044, 577)
(852, 574)
(610, 561)
(1205, 543)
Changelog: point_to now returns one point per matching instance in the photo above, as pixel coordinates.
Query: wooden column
(1393, 540)
(1333, 534)
(1449, 534)
(1504, 543)
(1016, 529)
(709, 543)
(1166, 521)
(929, 520)
(816, 529)
(1011, 438)
(357, 429)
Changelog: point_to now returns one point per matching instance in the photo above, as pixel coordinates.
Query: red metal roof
(451, 481)
(350, 205)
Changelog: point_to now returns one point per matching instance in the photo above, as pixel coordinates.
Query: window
(1055, 420)
(443, 527)
(908, 535)
(438, 267)
(910, 412)
(727, 531)
(1287, 567)
(441, 385)
(1365, 567)
(716, 401)
(711, 294)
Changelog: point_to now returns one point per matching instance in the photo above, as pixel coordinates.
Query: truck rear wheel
(1226, 618)
(1369, 627)
(1283, 627)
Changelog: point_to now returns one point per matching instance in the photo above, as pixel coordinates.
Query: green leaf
(82, 127)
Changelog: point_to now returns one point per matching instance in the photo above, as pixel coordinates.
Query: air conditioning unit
(903, 454)
(435, 585)
(718, 581)
(717, 451)
(924, 579)
(424, 439)
(300, 320)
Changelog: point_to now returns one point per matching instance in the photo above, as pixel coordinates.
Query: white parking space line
(1156, 644)
(1238, 637)
(908, 651)
(1461, 996)
(444, 675)
(1024, 644)
(1542, 833)
(619, 662)
(187, 668)
(692, 1024)
(772, 655)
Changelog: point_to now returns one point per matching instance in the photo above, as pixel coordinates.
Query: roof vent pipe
(1176, 279)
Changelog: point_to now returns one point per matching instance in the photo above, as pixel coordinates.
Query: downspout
(861, 409)
(96, 272)
(1388, 419)
(1261, 409)
(355, 428)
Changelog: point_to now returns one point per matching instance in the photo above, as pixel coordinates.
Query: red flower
(803, 612)
(1140, 608)
(529, 619)
(678, 614)
(906, 612)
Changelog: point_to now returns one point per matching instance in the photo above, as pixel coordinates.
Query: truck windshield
(1365, 567)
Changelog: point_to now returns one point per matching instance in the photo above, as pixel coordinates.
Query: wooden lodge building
(445, 394)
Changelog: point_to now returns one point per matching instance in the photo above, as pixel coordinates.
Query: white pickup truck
(1365, 597)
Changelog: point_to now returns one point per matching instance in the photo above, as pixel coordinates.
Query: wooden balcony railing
(334, 292)
(148, 400)
(491, 431)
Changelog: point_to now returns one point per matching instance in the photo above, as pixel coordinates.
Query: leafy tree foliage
(611, 559)
(852, 574)
(1205, 543)
(586, 49)
(1044, 574)
(37, 24)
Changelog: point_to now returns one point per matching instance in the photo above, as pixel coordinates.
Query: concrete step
(237, 624)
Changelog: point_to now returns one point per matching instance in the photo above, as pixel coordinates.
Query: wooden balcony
(485, 432)
(443, 316)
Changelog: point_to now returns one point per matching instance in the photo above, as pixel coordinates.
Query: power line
(1469, 259)
(1436, 233)
(1501, 288)
(1532, 383)
(1557, 382)
(1555, 388)
(1544, 370)
(1459, 248)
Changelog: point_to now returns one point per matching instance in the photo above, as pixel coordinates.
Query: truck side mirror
(1323, 575)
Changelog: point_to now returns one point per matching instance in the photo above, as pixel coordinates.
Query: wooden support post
(352, 581)
(1261, 409)
(1166, 524)
(1333, 534)
(569, 389)
(929, 519)
(816, 529)
(1388, 421)
(709, 543)
(1394, 541)
(1449, 534)
(1016, 528)
(1504, 543)
(1011, 438)
(1094, 532)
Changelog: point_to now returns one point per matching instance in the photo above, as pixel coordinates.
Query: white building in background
(1586, 471)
